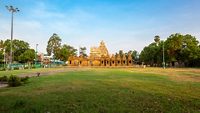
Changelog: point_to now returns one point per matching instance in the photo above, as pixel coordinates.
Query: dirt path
(51, 72)
(3, 85)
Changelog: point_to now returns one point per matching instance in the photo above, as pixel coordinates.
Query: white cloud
(79, 27)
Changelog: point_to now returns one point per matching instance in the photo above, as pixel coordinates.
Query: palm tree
(157, 39)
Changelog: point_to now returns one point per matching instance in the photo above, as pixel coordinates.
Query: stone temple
(99, 56)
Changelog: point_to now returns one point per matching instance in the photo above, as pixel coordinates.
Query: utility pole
(12, 10)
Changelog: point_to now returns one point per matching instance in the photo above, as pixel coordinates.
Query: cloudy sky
(122, 24)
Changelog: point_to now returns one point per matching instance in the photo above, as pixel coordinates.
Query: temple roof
(99, 51)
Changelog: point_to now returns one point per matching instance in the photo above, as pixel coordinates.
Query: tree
(27, 56)
(66, 51)
(152, 54)
(190, 50)
(54, 45)
(1, 51)
(183, 49)
(19, 47)
(83, 51)
(157, 39)
(174, 45)
(121, 53)
(135, 55)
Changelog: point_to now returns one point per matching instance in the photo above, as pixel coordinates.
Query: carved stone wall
(99, 51)
(99, 56)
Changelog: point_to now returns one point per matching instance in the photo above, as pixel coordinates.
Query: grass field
(104, 90)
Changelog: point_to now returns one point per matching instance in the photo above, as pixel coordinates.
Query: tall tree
(66, 51)
(152, 54)
(135, 55)
(19, 47)
(27, 56)
(82, 51)
(174, 44)
(182, 49)
(190, 50)
(1, 51)
(121, 53)
(54, 45)
(157, 39)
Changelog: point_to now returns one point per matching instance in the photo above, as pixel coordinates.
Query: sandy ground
(3, 85)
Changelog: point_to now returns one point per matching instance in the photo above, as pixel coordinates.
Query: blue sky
(122, 24)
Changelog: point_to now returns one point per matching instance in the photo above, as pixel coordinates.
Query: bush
(3, 79)
(14, 81)
(2, 69)
(25, 67)
(24, 79)
(16, 68)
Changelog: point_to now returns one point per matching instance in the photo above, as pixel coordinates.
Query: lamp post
(163, 55)
(12, 10)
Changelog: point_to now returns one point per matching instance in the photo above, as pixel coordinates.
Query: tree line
(21, 51)
(178, 50)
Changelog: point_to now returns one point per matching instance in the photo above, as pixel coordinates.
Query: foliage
(135, 55)
(1, 56)
(157, 39)
(18, 47)
(27, 56)
(24, 79)
(3, 79)
(121, 53)
(152, 54)
(14, 81)
(53, 45)
(82, 51)
(66, 51)
(1, 51)
(183, 49)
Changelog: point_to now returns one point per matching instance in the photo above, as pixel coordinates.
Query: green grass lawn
(98, 90)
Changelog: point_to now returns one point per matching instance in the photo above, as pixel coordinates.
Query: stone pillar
(70, 61)
(108, 61)
(102, 61)
(118, 60)
(112, 60)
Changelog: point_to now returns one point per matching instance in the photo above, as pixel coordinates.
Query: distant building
(44, 59)
(99, 56)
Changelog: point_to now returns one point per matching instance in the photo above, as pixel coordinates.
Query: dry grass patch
(177, 74)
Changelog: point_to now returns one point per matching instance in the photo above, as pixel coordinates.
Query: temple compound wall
(99, 56)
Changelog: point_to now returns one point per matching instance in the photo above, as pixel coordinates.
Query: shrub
(19, 103)
(16, 68)
(24, 79)
(25, 67)
(14, 81)
(3, 79)
(2, 69)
